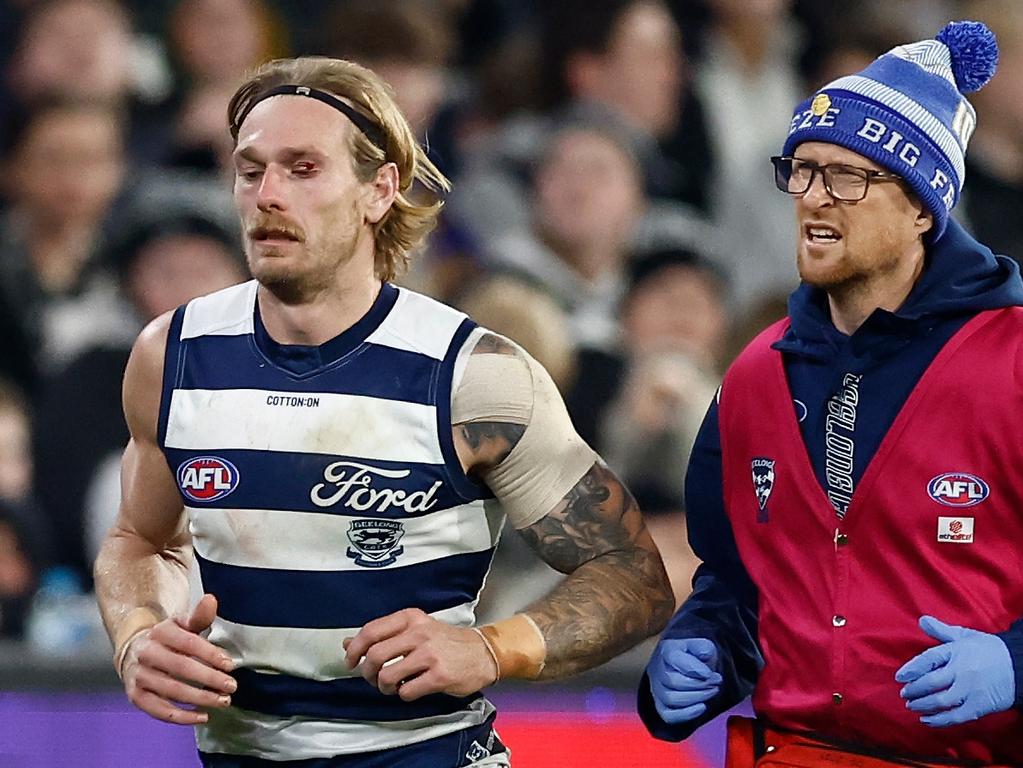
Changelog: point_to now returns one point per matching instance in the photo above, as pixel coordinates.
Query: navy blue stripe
(270, 597)
(466, 486)
(373, 370)
(348, 698)
(306, 360)
(172, 363)
(285, 480)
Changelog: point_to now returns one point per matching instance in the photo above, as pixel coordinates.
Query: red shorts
(754, 744)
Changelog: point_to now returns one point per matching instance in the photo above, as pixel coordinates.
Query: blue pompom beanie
(906, 111)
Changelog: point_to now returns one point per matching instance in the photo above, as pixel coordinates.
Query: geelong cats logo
(375, 542)
(763, 484)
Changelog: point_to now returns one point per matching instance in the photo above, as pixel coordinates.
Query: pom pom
(974, 53)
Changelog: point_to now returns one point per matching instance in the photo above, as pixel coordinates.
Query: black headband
(372, 131)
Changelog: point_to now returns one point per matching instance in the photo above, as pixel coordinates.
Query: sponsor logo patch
(375, 542)
(207, 478)
(763, 484)
(363, 488)
(958, 530)
(958, 489)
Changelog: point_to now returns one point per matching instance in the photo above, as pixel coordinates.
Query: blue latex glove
(968, 676)
(683, 677)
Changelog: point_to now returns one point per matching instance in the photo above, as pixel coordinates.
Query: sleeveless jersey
(933, 528)
(322, 494)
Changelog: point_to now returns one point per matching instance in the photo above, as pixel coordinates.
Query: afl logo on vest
(207, 478)
(957, 489)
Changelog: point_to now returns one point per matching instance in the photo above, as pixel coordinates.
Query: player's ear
(383, 188)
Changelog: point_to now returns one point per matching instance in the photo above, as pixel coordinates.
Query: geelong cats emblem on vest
(375, 542)
(763, 484)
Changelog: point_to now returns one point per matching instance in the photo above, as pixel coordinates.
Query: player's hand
(412, 654)
(683, 678)
(170, 665)
(966, 677)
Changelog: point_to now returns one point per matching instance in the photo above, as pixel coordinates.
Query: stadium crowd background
(613, 211)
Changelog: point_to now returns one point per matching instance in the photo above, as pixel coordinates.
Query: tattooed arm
(617, 592)
(577, 516)
(511, 430)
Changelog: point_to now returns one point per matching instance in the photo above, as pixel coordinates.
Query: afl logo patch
(207, 478)
(958, 489)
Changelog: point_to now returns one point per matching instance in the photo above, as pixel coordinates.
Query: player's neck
(318, 317)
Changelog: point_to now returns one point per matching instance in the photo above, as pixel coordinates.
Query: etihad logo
(360, 487)
(957, 530)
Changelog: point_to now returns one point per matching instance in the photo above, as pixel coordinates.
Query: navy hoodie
(889, 351)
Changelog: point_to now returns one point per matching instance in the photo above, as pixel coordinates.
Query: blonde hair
(407, 222)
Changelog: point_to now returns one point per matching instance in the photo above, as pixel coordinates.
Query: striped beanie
(906, 112)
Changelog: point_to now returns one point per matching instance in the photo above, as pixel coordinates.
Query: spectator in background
(25, 538)
(665, 372)
(64, 170)
(674, 325)
(748, 76)
(82, 50)
(617, 62)
(994, 199)
(175, 243)
(587, 200)
(213, 44)
(527, 315)
(626, 57)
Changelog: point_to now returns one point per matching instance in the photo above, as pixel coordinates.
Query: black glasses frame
(783, 175)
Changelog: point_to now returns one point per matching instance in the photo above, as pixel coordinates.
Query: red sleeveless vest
(935, 526)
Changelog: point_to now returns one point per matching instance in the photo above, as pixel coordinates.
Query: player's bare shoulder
(143, 377)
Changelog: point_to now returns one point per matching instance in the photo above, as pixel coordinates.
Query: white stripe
(314, 541)
(225, 313)
(418, 324)
(315, 654)
(343, 425)
(930, 55)
(238, 732)
(912, 111)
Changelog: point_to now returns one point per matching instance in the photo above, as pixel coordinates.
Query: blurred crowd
(613, 208)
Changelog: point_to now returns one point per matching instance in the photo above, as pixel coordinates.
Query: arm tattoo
(617, 592)
(492, 439)
(491, 343)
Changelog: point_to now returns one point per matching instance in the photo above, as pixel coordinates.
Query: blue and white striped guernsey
(323, 491)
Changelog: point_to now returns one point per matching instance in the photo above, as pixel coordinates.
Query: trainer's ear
(924, 221)
(382, 191)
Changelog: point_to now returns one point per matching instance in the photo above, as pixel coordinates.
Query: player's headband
(372, 131)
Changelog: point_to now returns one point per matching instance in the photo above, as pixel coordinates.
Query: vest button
(838, 621)
(841, 539)
(836, 698)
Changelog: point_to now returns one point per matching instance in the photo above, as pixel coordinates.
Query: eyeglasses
(847, 183)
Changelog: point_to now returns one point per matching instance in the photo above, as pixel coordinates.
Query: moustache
(274, 226)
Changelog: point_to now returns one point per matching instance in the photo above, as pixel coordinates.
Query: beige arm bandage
(549, 458)
(546, 463)
(517, 646)
(132, 625)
